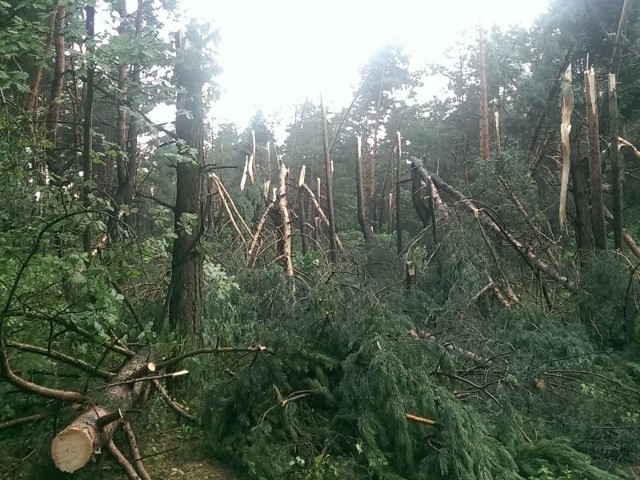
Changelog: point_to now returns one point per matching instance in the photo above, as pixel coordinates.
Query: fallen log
(92, 430)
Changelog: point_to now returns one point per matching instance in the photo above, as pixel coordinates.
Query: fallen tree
(487, 221)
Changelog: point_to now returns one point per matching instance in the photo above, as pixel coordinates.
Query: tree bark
(485, 149)
(74, 446)
(185, 304)
(333, 248)
(363, 220)
(580, 182)
(595, 164)
(36, 79)
(53, 113)
(87, 126)
(620, 37)
(398, 193)
(616, 165)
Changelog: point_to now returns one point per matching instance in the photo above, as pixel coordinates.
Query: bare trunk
(580, 176)
(400, 248)
(595, 164)
(53, 114)
(362, 215)
(616, 166)
(87, 134)
(485, 150)
(333, 248)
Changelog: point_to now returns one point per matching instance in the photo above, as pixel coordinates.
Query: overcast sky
(274, 53)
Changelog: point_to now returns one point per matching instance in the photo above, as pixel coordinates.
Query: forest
(399, 288)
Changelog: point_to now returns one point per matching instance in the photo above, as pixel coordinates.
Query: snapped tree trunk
(363, 220)
(616, 165)
(92, 430)
(333, 247)
(185, 304)
(580, 182)
(595, 164)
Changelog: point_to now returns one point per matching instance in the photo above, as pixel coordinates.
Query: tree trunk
(87, 126)
(579, 177)
(616, 166)
(36, 79)
(185, 304)
(595, 164)
(400, 247)
(367, 233)
(53, 113)
(74, 446)
(333, 247)
(485, 149)
(620, 37)
(418, 193)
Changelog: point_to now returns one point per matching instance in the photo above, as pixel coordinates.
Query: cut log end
(72, 449)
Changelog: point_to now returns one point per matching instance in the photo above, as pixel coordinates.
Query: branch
(201, 351)
(61, 357)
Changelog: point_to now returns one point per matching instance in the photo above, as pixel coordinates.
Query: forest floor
(184, 457)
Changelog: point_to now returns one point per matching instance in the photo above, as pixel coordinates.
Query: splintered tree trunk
(485, 150)
(362, 216)
(580, 181)
(92, 430)
(616, 166)
(185, 304)
(418, 192)
(333, 247)
(595, 164)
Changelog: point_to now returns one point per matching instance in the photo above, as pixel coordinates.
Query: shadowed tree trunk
(362, 215)
(333, 246)
(185, 304)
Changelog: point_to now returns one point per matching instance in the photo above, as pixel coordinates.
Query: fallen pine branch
(203, 351)
(421, 420)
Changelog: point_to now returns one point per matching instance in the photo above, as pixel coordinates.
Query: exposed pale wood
(287, 232)
(421, 420)
(88, 433)
(565, 130)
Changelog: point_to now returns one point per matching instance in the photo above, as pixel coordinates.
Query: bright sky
(275, 53)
